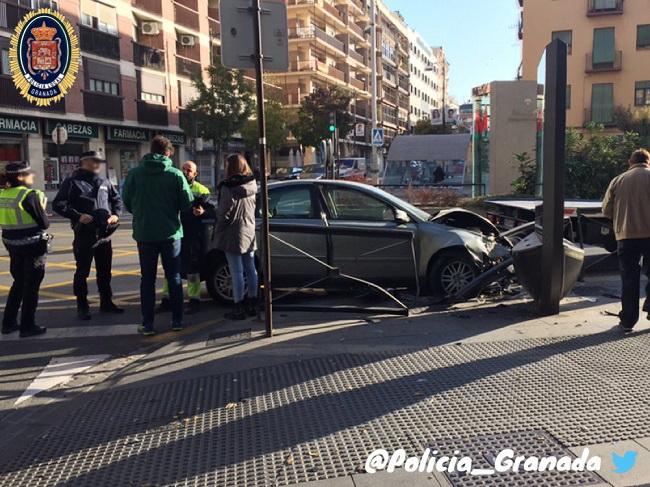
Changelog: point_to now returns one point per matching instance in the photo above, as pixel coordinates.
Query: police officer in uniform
(23, 221)
(193, 245)
(93, 206)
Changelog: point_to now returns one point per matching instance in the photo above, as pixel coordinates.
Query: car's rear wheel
(451, 272)
(219, 281)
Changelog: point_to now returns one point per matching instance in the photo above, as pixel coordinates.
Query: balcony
(403, 83)
(151, 6)
(102, 105)
(148, 57)
(187, 67)
(186, 17)
(604, 7)
(389, 97)
(152, 113)
(99, 43)
(10, 97)
(10, 15)
(215, 28)
(357, 30)
(603, 117)
(336, 73)
(615, 65)
(358, 84)
(313, 32)
(356, 56)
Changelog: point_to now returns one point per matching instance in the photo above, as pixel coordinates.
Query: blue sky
(480, 40)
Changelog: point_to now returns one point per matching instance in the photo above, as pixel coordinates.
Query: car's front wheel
(451, 272)
(219, 281)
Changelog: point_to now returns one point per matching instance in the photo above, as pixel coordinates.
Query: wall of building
(542, 17)
(513, 128)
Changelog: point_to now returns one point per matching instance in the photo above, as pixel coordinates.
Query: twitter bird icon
(624, 463)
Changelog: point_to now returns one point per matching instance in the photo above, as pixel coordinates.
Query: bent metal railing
(404, 237)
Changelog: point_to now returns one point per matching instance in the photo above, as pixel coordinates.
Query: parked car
(286, 173)
(312, 171)
(366, 233)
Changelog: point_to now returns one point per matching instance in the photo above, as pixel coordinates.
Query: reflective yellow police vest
(12, 214)
(198, 189)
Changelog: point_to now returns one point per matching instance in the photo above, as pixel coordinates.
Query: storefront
(124, 148)
(14, 133)
(61, 161)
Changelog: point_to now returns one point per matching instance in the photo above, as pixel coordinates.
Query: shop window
(99, 16)
(108, 87)
(642, 94)
(152, 97)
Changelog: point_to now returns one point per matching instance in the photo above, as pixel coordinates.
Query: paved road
(21, 360)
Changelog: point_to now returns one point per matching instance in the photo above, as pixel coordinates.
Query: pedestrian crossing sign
(378, 137)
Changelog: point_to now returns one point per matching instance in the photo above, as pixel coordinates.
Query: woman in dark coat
(236, 233)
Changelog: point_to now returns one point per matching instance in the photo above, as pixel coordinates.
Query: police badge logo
(44, 57)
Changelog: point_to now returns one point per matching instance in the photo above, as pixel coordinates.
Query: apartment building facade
(137, 60)
(329, 45)
(427, 67)
(393, 85)
(609, 53)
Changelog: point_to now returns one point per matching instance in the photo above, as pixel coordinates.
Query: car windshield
(401, 204)
(313, 169)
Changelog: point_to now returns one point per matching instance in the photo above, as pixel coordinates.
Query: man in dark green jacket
(156, 193)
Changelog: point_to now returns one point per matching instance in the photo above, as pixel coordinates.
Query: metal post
(553, 191)
(374, 165)
(266, 249)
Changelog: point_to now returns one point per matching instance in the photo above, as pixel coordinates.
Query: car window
(290, 203)
(350, 204)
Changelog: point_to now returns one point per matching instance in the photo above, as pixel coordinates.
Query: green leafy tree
(594, 158)
(525, 184)
(634, 120)
(425, 127)
(312, 124)
(276, 128)
(223, 106)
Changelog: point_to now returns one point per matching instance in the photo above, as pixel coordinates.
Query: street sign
(238, 35)
(59, 135)
(360, 129)
(378, 137)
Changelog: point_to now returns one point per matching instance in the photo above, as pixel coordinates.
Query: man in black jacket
(93, 206)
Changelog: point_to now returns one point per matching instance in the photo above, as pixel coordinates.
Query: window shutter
(150, 83)
(602, 103)
(604, 45)
(643, 36)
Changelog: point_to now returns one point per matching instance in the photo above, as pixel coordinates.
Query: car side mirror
(401, 217)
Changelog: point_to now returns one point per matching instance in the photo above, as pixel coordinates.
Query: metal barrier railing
(402, 238)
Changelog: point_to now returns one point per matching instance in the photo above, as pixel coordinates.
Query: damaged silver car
(321, 229)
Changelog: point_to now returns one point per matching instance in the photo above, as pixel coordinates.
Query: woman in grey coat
(236, 233)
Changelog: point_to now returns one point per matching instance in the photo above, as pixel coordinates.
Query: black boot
(83, 310)
(32, 331)
(251, 306)
(239, 313)
(106, 305)
(193, 307)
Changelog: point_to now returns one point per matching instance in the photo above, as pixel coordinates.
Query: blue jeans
(170, 253)
(240, 264)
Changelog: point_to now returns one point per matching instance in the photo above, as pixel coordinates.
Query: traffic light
(332, 126)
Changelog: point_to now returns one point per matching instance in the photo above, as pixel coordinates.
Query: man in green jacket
(156, 193)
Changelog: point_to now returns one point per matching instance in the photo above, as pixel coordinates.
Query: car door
(367, 242)
(296, 227)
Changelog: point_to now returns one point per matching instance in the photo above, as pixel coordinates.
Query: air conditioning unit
(186, 40)
(150, 28)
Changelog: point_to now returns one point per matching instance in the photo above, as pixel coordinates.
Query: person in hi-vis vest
(23, 220)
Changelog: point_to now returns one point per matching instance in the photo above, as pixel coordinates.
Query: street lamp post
(374, 166)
